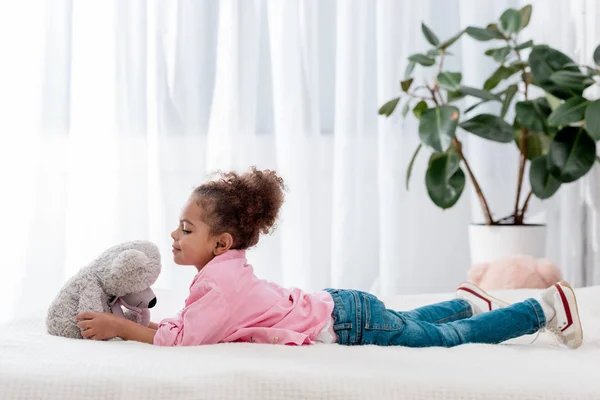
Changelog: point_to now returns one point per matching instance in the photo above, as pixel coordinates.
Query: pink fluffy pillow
(515, 272)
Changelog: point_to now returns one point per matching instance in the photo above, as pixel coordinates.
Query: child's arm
(131, 331)
(102, 326)
(153, 325)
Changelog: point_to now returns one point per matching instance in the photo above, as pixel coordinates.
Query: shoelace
(558, 337)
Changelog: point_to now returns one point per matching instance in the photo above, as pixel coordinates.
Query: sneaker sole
(566, 284)
(482, 294)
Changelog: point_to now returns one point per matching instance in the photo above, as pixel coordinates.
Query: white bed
(34, 365)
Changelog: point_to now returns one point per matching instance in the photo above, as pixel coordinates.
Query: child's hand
(99, 326)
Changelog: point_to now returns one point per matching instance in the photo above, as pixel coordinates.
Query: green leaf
(571, 80)
(388, 108)
(544, 61)
(451, 41)
(508, 97)
(483, 34)
(406, 84)
(444, 179)
(411, 164)
(589, 68)
(572, 110)
(437, 52)
(518, 64)
(525, 13)
(533, 114)
(510, 21)
(410, 67)
(481, 94)
(429, 35)
(495, 30)
(422, 59)
(554, 102)
(474, 106)
(405, 108)
(538, 144)
(499, 54)
(420, 108)
(449, 80)
(489, 127)
(543, 184)
(498, 76)
(525, 45)
(597, 55)
(437, 127)
(592, 120)
(572, 154)
(453, 96)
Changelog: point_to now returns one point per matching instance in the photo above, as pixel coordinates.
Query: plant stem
(484, 205)
(524, 144)
(525, 206)
(458, 146)
(441, 61)
(432, 91)
(436, 87)
(418, 97)
(524, 148)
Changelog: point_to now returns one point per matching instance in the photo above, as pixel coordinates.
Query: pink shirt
(228, 303)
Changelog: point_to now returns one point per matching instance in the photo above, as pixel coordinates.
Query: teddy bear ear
(476, 272)
(126, 273)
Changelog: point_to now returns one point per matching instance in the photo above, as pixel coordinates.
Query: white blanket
(34, 365)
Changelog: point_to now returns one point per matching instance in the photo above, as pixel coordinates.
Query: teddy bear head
(129, 267)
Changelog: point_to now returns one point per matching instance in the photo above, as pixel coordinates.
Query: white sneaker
(565, 323)
(480, 300)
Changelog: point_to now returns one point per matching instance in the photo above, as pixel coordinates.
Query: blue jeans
(361, 318)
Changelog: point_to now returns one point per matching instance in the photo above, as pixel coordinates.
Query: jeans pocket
(379, 318)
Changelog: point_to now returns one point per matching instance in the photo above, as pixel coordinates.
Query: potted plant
(554, 126)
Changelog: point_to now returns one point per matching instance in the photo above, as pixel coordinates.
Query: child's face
(192, 243)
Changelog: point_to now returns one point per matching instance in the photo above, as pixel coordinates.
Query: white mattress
(34, 365)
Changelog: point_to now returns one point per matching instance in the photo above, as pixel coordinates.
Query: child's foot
(480, 300)
(562, 315)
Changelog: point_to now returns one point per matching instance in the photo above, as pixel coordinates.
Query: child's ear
(224, 243)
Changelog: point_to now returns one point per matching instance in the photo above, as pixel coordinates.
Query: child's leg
(440, 313)
(470, 300)
(496, 326)
(361, 318)
(556, 309)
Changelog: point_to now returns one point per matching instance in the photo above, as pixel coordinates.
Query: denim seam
(367, 310)
(339, 309)
(467, 305)
(541, 321)
(359, 317)
(368, 326)
(459, 315)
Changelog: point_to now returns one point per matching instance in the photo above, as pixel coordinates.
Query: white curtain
(112, 111)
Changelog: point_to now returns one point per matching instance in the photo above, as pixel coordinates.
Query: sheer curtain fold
(295, 86)
(355, 217)
(117, 110)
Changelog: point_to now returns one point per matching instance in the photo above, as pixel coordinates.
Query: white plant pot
(493, 242)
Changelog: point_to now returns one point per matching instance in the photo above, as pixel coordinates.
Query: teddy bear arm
(90, 299)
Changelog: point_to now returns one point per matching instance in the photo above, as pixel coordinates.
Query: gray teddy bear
(119, 277)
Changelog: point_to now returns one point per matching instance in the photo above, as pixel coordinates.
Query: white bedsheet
(34, 365)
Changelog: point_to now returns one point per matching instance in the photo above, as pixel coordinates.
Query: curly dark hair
(243, 205)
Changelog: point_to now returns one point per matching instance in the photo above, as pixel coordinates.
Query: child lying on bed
(228, 303)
